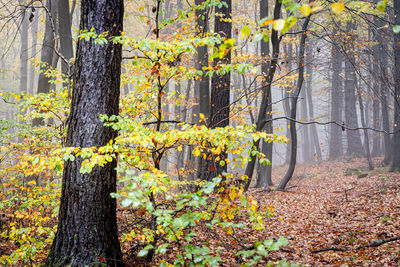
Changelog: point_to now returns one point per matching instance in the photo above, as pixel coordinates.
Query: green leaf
(396, 29)
(258, 37)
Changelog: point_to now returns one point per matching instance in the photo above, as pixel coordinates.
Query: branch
(378, 243)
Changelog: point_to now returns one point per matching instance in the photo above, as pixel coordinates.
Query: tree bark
(34, 33)
(266, 94)
(314, 140)
(47, 54)
(354, 145)
(366, 137)
(395, 166)
(23, 56)
(293, 132)
(87, 229)
(64, 22)
(336, 143)
(264, 177)
(220, 93)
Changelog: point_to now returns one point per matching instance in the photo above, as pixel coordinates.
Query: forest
(199, 133)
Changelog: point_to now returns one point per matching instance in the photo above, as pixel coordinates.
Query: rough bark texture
(354, 145)
(220, 91)
(87, 229)
(293, 132)
(396, 123)
(264, 178)
(336, 144)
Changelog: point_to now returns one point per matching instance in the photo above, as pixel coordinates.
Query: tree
(396, 125)
(265, 171)
(354, 145)
(220, 89)
(336, 143)
(87, 227)
(293, 111)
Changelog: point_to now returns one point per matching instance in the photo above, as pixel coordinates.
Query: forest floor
(337, 205)
(333, 206)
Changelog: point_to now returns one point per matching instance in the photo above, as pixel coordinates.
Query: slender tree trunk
(366, 137)
(34, 32)
(64, 22)
(354, 145)
(47, 53)
(306, 151)
(264, 178)
(286, 102)
(314, 140)
(396, 123)
(293, 133)
(266, 94)
(23, 56)
(87, 229)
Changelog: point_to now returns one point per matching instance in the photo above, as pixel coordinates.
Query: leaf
(396, 29)
(258, 37)
(337, 7)
(246, 31)
(381, 5)
(279, 24)
(305, 10)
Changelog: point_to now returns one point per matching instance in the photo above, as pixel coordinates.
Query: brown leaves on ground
(323, 208)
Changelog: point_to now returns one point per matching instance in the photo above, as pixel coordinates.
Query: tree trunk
(47, 54)
(293, 133)
(64, 22)
(23, 56)
(366, 137)
(34, 32)
(266, 94)
(264, 177)
(354, 145)
(396, 123)
(87, 229)
(220, 93)
(314, 140)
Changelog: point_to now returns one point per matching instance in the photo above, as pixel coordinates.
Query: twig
(380, 242)
(328, 249)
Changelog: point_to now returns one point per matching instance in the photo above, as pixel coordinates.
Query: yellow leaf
(279, 24)
(267, 22)
(337, 7)
(305, 10)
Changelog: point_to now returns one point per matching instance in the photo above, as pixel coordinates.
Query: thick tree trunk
(220, 93)
(396, 123)
(293, 132)
(336, 143)
(87, 229)
(354, 145)
(264, 178)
